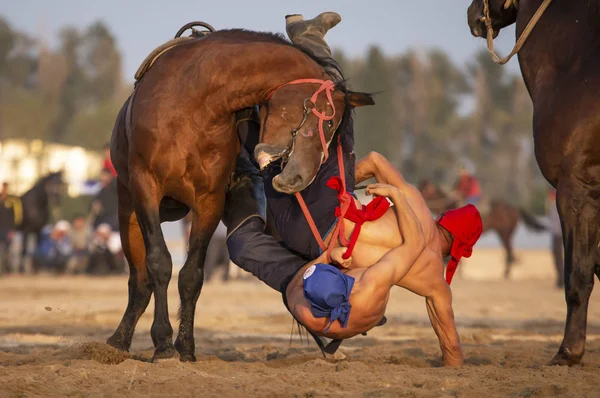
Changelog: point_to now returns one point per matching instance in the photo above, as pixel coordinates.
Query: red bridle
(326, 86)
(347, 208)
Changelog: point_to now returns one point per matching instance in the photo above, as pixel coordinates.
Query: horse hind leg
(140, 288)
(146, 197)
(205, 218)
(505, 238)
(579, 214)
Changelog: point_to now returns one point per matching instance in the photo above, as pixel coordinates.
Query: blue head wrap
(327, 289)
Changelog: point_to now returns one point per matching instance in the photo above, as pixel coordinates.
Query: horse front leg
(579, 214)
(206, 214)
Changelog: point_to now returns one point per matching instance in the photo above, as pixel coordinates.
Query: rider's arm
(441, 315)
(394, 265)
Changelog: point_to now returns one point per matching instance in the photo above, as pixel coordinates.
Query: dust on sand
(509, 331)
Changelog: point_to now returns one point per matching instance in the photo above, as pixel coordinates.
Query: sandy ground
(52, 332)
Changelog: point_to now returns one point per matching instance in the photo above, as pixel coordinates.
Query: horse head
(500, 13)
(54, 185)
(298, 123)
(437, 200)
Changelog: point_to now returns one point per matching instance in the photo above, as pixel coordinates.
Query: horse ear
(359, 99)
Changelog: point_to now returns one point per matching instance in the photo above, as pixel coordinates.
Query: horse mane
(331, 67)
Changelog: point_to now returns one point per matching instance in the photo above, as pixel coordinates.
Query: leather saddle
(163, 48)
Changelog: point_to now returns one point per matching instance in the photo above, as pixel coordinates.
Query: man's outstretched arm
(441, 315)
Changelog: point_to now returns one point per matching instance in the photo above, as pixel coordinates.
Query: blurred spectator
(557, 241)
(55, 247)
(4, 192)
(106, 202)
(6, 231)
(467, 187)
(108, 165)
(101, 260)
(81, 236)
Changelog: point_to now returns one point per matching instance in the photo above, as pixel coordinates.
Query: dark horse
(501, 218)
(30, 212)
(175, 147)
(560, 63)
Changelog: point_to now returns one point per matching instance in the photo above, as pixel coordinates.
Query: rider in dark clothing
(262, 255)
(320, 199)
(246, 205)
(107, 198)
(245, 209)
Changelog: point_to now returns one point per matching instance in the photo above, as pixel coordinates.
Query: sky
(142, 25)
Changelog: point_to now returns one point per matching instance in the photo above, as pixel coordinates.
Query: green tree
(376, 126)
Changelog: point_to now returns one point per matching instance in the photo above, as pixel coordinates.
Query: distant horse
(174, 147)
(30, 212)
(560, 63)
(502, 217)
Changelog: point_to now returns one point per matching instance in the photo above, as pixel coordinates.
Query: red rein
(347, 208)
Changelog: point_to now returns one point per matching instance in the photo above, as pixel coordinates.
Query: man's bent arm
(375, 165)
(441, 315)
(394, 265)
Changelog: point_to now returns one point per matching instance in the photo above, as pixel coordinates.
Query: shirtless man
(406, 247)
(415, 243)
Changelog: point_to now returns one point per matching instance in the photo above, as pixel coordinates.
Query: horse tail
(531, 222)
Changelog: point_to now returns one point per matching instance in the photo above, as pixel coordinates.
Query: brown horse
(502, 217)
(175, 145)
(560, 62)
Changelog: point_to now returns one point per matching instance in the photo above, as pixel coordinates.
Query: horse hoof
(116, 342)
(185, 355)
(563, 359)
(165, 353)
(335, 357)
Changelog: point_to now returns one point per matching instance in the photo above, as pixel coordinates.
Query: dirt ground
(52, 332)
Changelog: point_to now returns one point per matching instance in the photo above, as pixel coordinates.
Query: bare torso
(375, 240)
(404, 248)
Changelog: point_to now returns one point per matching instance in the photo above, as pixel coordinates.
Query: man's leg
(311, 33)
(249, 247)
(253, 250)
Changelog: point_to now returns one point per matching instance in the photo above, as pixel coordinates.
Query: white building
(23, 162)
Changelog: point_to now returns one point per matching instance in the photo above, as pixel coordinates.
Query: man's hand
(336, 257)
(386, 190)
